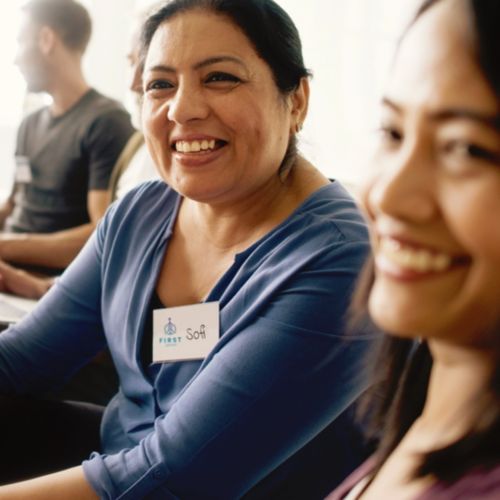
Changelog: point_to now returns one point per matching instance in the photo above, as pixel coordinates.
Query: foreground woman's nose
(403, 187)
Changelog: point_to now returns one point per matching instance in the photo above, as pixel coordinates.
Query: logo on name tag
(170, 330)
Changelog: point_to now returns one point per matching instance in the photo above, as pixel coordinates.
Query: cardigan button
(158, 473)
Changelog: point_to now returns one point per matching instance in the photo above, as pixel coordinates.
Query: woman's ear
(46, 40)
(299, 100)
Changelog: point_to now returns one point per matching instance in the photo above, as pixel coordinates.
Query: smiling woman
(433, 203)
(220, 292)
(224, 95)
(434, 208)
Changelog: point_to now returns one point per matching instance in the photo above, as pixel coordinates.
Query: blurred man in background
(133, 166)
(66, 151)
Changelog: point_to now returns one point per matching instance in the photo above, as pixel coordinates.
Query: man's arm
(70, 483)
(6, 209)
(57, 249)
(22, 283)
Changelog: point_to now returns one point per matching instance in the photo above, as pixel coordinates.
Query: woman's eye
(220, 77)
(159, 85)
(390, 135)
(469, 151)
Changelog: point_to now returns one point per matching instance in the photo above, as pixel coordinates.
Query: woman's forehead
(436, 63)
(196, 33)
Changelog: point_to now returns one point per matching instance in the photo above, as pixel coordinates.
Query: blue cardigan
(282, 370)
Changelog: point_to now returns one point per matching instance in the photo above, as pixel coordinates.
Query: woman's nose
(188, 103)
(404, 186)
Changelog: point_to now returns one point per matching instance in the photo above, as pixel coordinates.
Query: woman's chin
(397, 319)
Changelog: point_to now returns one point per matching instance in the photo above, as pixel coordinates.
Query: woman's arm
(22, 283)
(62, 334)
(64, 485)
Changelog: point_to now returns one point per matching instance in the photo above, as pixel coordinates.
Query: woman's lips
(404, 260)
(197, 153)
(197, 146)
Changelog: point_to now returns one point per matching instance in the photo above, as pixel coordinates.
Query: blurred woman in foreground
(434, 203)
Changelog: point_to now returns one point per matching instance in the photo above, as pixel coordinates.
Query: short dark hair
(400, 368)
(69, 19)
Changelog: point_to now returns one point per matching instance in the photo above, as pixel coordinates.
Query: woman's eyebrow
(218, 59)
(385, 101)
(488, 119)
(454, 113)
(163, 68)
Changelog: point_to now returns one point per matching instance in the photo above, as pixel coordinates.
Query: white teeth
(413, 259)
(441, 262)
(194, 146)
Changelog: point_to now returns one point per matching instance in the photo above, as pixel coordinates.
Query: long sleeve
(62, 334)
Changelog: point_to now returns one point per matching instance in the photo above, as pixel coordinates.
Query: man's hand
(55, 250)
(22, 283)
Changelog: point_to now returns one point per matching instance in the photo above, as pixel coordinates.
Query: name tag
(186, 332)
(23, 170)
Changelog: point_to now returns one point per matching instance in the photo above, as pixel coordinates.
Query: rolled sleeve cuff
(150, 484)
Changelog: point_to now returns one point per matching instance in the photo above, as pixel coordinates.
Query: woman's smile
(404, 260)
(214, 105)
(196, 150)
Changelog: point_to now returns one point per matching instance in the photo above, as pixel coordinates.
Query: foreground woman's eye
(468, 151)
(389, 136)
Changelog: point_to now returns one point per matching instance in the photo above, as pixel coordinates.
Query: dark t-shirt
(60, 159)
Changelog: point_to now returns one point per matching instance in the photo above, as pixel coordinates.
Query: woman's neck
(459, 376)
(237, 224)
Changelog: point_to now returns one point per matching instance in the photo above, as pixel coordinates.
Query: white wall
(105, 62)
(348, 45)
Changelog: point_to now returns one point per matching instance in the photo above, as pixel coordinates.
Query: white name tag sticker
(186, 332)
(23, 170)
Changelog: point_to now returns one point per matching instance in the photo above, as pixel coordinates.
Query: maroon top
(479, 483)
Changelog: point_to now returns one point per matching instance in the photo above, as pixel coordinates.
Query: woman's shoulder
(350, 482)
(144, 207)
(145, 197)
(144, 189)
(481, 482)
(332, 211)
